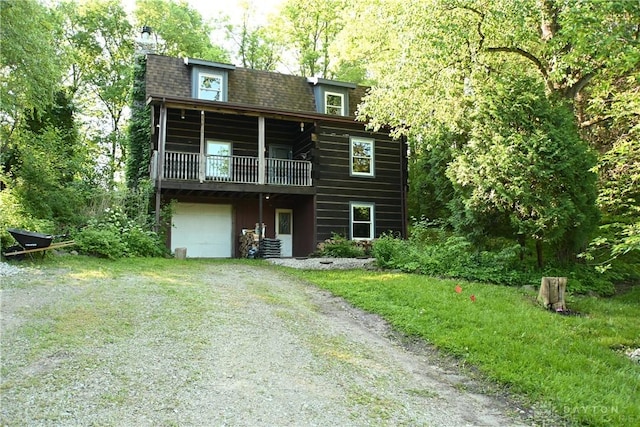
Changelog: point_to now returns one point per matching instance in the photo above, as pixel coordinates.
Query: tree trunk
(539, 253)
(522, 243)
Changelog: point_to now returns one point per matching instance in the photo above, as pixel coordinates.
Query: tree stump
(551, 293)
(181, 253)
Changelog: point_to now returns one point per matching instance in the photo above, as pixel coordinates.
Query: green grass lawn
(571, 363)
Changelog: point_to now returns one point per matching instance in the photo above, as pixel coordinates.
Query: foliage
(339, 246)
(13, 215)
(31, 69)
(429, 59)
(114, 235)
(180, 30)
(311, 27)
(525, 162)
(495, 333)
(430, 191)
(139, 132)
(46, 171)
(619, 198)
(433, 251)
(257, 46)
(100, 49)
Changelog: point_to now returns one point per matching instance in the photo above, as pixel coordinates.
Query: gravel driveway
(270, 351)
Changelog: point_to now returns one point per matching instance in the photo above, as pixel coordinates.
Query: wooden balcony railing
(233, 169)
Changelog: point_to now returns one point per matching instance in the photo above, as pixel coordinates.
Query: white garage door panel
(205, 230)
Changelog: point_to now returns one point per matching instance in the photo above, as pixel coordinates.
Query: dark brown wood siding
(336, 188)
(183, 135)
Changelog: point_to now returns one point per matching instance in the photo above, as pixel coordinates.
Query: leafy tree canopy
(181, 29)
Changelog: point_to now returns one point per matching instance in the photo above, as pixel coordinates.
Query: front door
(284, 231)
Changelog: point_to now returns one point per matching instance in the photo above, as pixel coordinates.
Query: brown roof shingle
(170, 77)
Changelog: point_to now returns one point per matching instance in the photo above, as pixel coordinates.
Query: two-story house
(234, 147)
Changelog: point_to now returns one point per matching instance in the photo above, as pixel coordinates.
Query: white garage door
(205, 230)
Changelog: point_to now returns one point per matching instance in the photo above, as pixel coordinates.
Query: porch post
(201, 166)
(260, 221)
(162, 139)
(261, 150)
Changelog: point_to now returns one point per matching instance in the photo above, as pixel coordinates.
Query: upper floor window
(210, 86)
(361, 158)
(334, 103)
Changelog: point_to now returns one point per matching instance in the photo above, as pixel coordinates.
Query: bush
(105, 241)
(115, 236)
(341, 247)
(435, 252)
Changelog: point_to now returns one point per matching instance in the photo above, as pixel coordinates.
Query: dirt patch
(261, 349)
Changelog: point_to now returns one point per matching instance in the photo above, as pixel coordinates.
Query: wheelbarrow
(30, 242)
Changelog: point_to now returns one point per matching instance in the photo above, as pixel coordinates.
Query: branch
(593, 121)
(530, 57)
(575, 89)
(523, 53)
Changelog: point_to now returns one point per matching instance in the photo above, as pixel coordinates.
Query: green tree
(100, 47)
(524, 161)
(256, 47)
(310, 29)
(31, 70)
(179, 29)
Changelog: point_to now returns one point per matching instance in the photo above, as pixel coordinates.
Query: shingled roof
(170, 77)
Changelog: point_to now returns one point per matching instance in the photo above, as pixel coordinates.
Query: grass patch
(566, 362)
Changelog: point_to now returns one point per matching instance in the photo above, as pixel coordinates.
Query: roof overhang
(201, 62)
(246, 110)
(318, 81)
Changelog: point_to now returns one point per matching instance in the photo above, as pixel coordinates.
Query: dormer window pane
(210, 87)
(334, 103)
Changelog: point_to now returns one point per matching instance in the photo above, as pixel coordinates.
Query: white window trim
(371, 172)
(218, 167)
(212, 74)
(341, 96)
(372, 226)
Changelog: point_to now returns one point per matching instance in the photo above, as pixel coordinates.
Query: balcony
(179, 166)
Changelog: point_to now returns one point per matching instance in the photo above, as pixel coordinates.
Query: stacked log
(248, 243)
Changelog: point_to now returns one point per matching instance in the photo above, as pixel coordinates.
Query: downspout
(162, 137)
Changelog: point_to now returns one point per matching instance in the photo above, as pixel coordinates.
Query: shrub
(114, 235)
(435, 252)
(105, 241)
(143, 243)
(341, 247)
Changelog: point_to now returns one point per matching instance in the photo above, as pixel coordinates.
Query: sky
(210, 9)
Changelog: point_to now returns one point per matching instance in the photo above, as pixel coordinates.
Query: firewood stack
(248, 241)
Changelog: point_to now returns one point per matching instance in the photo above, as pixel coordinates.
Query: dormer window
(209, 80)
(332, 97)
(334, 103)
(210, 86)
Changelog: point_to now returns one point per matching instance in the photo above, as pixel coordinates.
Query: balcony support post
(261, 150)
(162, 139)
(203, 150)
